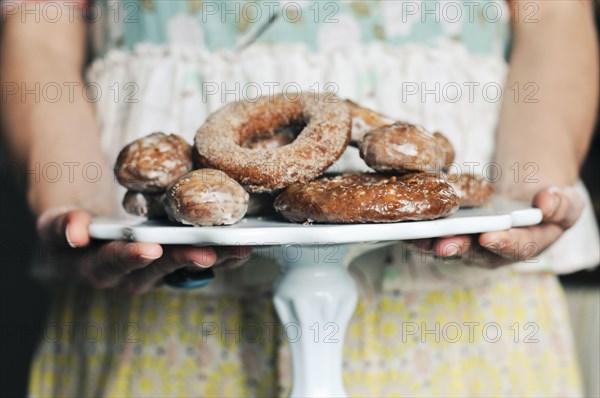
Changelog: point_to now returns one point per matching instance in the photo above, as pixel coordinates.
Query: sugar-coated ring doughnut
(206, 197)
(403, 147)
(150, 163)
(368, 198)
(325, 136)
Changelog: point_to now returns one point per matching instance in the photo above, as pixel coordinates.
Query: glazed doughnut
(149, 164)
(206, 197)
(448, 148)
(368, 198)
(150, 205)
(325, 136)
(473, 191)
(403, 147)
(364, 120)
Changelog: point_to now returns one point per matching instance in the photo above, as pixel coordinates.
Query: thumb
(561, 206)
(64, 226)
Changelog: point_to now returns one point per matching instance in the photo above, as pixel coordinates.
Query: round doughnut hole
(276, 138)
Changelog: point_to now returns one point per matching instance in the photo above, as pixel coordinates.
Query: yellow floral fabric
(503, 338)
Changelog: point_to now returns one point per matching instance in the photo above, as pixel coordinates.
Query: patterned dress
(423, 327)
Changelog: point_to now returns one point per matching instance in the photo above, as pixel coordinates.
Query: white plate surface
(499, 215)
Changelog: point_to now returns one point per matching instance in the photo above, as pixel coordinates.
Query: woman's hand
(561, 207)
(136, 267)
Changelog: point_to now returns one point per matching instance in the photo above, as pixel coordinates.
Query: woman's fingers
(560, 206)
(520, 244)
(64, 227)
(104, 266)
(77, 228)
(141, 281)
(452, 245)
(175, 257)
(232, 256)
(184, 255)
(448, 246)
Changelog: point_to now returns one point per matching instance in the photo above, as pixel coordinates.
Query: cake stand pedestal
(315, 301)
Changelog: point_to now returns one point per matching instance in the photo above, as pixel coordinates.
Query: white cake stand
(315, 293)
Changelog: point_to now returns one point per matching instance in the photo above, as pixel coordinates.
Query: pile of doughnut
(269, 156)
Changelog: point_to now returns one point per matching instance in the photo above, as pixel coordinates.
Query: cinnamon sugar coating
(325, 136)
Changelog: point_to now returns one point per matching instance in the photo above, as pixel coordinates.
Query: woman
(388, 55)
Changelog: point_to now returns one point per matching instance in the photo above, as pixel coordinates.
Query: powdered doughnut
(321, 142)
(364, 120)
(149, 164)
(403, 147)
(472, 190)
(206, 197)
(368, 198)
(150, 205)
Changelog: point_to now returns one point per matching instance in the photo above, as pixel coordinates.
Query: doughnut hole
(277, 138)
